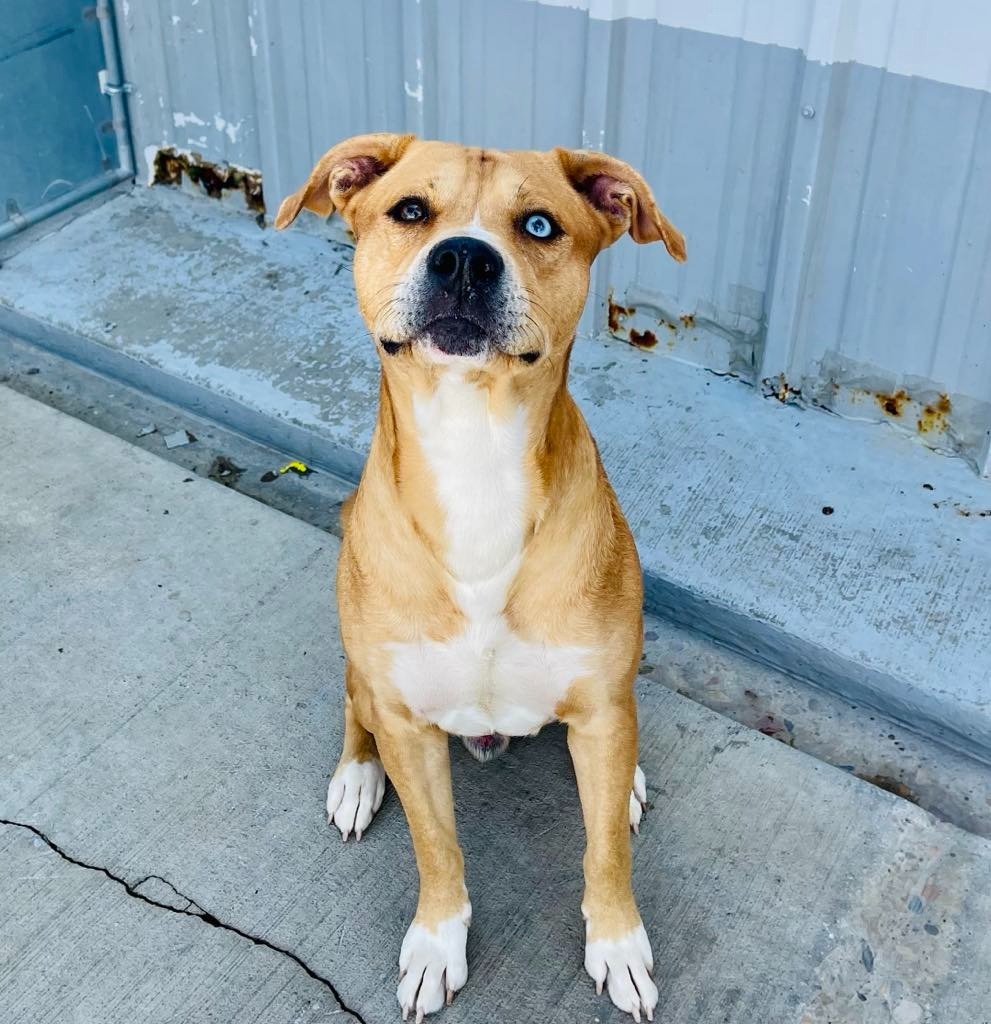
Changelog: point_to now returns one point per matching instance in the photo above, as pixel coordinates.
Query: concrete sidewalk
(169, 711)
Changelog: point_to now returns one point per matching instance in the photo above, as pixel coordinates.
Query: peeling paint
(181, 120)
(417, 93)
(150, 154)
(230, 129)
(170, 166)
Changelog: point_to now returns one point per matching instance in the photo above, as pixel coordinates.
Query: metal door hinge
(109, 88)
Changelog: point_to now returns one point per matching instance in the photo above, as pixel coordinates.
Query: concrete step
(843, 554)
(169, 710)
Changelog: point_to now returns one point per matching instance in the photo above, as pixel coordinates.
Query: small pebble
(907, 1012)
(866, 956)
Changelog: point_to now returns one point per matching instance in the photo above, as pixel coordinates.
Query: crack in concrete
(199, 913)
(158, 878)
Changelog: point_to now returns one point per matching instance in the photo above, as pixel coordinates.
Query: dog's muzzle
(464, 296)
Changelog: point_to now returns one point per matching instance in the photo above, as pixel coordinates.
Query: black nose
(460, 262)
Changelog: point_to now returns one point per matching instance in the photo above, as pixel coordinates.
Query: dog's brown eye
(409, 210)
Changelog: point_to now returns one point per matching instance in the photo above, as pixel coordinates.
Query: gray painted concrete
(884, 601)
(170, 707)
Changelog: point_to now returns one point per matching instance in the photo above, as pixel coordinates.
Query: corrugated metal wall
(827, 160)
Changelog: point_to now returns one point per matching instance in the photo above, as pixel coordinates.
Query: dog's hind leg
(602, 738)
(358, 783)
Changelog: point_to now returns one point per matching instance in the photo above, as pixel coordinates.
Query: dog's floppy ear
(341, 173)
(621, 197)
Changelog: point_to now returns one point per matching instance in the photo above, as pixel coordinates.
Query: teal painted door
(56, 127)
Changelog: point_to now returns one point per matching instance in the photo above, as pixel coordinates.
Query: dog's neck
(474, 456)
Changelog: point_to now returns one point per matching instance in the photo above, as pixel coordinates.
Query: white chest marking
(486, 679)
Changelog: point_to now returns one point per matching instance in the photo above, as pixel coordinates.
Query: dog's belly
(486, 680)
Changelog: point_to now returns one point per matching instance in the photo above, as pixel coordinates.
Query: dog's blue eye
(540, 225)
(408, 211)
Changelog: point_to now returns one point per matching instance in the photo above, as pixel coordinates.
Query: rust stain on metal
(642, 339)
(618, 313)
(933, 418)
(779, 388)
(214, 179)
(894, 403)
(688, 319)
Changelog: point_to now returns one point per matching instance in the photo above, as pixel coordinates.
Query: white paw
(624, 966)
(354, 795)
(638, 799)
(433, 964)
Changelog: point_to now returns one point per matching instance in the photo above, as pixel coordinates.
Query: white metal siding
(826, 159)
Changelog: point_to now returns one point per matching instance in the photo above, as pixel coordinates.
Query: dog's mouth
(452, 335)
(457, 335)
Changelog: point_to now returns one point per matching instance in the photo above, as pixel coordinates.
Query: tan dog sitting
(488, 583)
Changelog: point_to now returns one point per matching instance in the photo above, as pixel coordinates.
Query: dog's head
(473, 253)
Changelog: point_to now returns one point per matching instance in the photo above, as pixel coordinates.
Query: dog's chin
(457, 336)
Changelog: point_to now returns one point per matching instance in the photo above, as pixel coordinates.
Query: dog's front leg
(432, 961)
(602, 738)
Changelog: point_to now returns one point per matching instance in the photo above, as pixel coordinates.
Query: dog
(488, 583)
